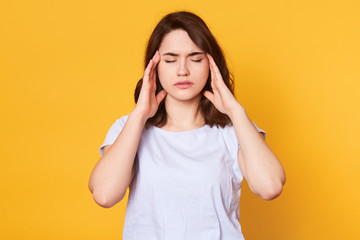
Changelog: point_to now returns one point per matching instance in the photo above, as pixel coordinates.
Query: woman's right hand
(147, 103)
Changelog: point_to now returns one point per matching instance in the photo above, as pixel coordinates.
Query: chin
(184, 96)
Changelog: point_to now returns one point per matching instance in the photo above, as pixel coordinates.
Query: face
(183, 68)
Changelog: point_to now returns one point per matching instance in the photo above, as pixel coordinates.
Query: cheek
(164, 74)
(161, 71)
(203, 72)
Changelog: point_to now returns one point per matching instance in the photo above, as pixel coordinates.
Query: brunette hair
(202, 37)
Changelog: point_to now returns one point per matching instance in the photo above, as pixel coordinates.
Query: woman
(185, 148)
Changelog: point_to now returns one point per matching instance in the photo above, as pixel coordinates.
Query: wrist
(135, 114)
(237, 110)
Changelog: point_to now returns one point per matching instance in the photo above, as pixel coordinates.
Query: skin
(114, 172)
(190, 63)
(259, 165)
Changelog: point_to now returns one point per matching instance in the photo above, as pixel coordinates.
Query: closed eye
(197, 60)
(171, 61)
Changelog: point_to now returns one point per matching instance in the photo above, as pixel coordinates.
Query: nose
(183, 69)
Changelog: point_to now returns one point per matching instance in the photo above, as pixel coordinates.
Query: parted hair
(203, 38)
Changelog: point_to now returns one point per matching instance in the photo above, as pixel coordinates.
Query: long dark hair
(202, 37)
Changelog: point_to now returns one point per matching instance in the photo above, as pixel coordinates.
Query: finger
(209, 96)
(147, 71)
(217, 91)
(215, 71)
(214, 67)
(156, 60)
(160, 96)
(152, 67)
(213, 77)
(213, 85)
(157, 57)
(218, 84)
(212, 72)
(211, 60)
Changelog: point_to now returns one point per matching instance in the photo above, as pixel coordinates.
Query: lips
(183, 84)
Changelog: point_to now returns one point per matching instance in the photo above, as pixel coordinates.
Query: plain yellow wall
(68, 70)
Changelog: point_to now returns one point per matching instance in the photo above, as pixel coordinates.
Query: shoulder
(123, 118)
(230, 130)
(120, 122)
(118, 125)
(113, 132)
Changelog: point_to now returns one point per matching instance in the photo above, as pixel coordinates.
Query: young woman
(185, 148)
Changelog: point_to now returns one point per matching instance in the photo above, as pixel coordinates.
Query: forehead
(178, 41)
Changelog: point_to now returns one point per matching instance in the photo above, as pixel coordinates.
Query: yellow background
(69, 69)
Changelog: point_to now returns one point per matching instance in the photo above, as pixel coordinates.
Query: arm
(114, 172)
(259, 165)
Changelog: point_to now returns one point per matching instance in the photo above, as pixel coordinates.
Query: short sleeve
(233, 146)
(260, 130)
(113, 133)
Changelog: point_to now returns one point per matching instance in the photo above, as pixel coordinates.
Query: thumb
(160, 96)
(209, 95)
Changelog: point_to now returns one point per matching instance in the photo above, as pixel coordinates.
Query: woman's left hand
(222, 98)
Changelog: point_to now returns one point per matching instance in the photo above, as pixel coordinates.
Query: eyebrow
(176, 55)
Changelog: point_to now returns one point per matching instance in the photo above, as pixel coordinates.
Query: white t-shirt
(186, 185)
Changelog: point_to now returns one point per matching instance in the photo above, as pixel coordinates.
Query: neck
(183, 115)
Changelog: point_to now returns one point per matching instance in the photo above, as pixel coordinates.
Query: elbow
(106, 201)
(275, 189)
(102, 201)
(273, 192)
